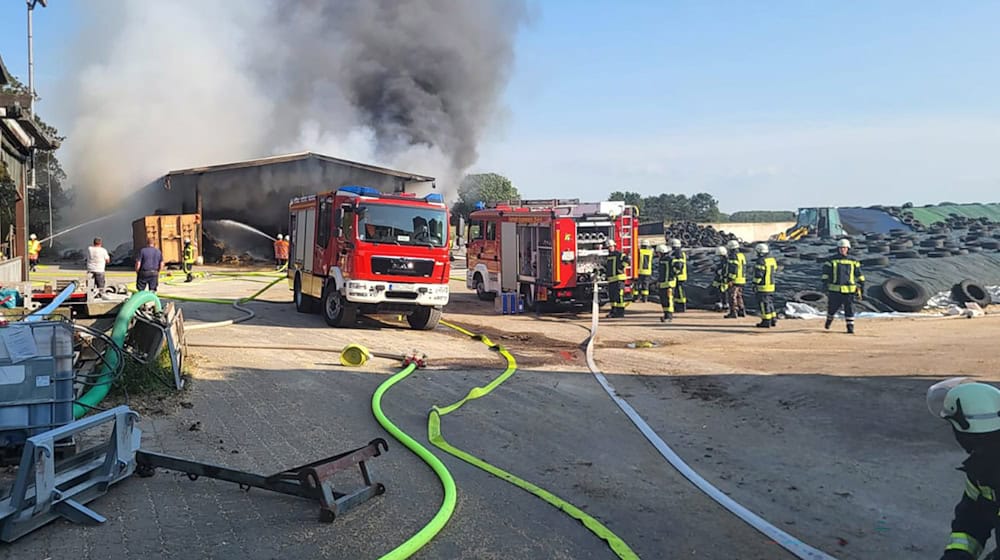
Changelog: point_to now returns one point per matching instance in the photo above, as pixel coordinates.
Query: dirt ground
(824, 434)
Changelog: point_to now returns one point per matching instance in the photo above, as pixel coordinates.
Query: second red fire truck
(548, 251)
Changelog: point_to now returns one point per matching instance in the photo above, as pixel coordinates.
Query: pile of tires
(695, 235)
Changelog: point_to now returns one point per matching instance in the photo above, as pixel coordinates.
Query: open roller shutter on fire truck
(508, 263)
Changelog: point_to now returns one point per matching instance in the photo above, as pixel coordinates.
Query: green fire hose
(96, 394)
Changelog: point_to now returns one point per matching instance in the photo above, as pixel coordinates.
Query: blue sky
(766, 105)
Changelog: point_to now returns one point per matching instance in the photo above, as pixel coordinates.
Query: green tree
(482, 187)
(704, 208)
(631, 198)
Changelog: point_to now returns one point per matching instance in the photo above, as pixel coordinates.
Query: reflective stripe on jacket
(614, 268)
(34, 247)
(188, 253)
(737, 269)
(664, 273)
(842, 275)
(645, 262)
(763, 274)
(680, 265)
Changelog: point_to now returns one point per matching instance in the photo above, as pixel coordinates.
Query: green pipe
(96, 394)
(422, 537)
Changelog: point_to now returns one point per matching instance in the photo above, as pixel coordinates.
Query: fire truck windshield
(401, 225)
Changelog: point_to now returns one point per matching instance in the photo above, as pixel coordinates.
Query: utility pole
(31, 114)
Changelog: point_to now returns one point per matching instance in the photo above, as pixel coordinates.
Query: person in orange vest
(280, 252)
(34, 248)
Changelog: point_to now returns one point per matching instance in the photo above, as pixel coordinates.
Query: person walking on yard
(645, 270)
(614, 272)
(737, 278)
(973, 411)
(720, 279)
(97, 261)
(34, 248)
(844, 281)
(188, 260)
(665, 283)
(679, 261)
(148, 266)
(763, 284)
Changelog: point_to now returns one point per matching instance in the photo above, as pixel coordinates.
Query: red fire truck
(548, 251)
(357, 250)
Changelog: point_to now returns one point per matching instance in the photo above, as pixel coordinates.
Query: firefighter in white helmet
(973, 411)
(678, 260)
(645, 270)
(720, 279)
(764, 270)
(187, 261)
(34, 248)
(665, 283)
(280, 251)
(614, 272)
(737, 278)
(844, 282)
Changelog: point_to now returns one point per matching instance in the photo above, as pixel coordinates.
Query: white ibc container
(36, 379)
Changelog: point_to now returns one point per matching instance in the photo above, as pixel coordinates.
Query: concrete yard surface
(823, 434)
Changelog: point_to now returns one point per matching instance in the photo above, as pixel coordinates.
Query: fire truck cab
(549, 251)
(359, 251)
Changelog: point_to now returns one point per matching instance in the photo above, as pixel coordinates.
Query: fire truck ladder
(626, 234)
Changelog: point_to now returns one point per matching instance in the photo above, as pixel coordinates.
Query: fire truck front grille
(403, 266)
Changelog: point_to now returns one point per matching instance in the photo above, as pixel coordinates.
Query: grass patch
(155, 378)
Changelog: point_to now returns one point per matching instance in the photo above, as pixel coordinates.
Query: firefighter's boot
(829, 321)
(850, 328)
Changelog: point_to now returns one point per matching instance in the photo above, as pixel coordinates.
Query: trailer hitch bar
(312, 481)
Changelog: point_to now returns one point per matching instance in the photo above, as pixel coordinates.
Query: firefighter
(34, 248)
(665, 283)
(645, 270)
(973, 411)
(679, 262)
(720, 279)
(736, 277)
(614, 272)
(188, 259)
(280, 252)
(763, 284)
(844, 281)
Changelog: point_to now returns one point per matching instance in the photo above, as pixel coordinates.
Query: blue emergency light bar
(434, 197)
(360, 191)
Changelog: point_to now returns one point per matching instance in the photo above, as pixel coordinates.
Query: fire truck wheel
(424, 318)
(303, 303)
(336, 311)
(481, 288)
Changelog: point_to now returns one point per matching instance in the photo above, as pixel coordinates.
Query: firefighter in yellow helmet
(645, 270)
(665, 283)
(973, 411)
(764, 269)
(614, 272)
(844, 282)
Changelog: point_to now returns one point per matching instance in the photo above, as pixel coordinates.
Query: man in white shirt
(97, 259)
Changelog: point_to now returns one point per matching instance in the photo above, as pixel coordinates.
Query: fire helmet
(644, 243)
(720, 250)
(844, 243)
(762, 248)
(970, 407)
(32, 236)
(675, 243)
(733, 244)
(280, 237)
(662, 249)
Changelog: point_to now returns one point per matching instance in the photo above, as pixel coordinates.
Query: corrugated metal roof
(413, 177)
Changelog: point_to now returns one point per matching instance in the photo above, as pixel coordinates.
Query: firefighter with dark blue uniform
(188, 259)
(680, 263)
(763, 284)
(665, 283)
(720, 278)
(973, 411)
(645, 270)
(844, 282)
(614, 273)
